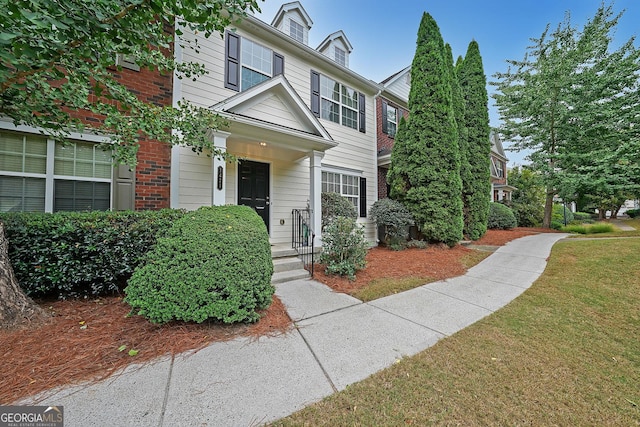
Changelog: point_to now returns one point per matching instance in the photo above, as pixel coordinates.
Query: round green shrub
(214, 263)
(394, 220)
(558, 216)
(335, 205)
(632, 213)
(500, 217)
(527, 214)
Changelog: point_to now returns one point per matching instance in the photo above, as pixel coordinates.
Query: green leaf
(133, 352)
(122, 348)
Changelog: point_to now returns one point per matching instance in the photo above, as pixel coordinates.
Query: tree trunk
(548, 209)
(16, 308)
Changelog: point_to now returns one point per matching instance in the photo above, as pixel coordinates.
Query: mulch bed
(81, 340)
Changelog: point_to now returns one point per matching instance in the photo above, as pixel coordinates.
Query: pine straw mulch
(437, 262)
(81, 340)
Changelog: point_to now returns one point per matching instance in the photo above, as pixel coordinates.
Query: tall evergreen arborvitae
(425, 161)
(476, 181)
(459, 114)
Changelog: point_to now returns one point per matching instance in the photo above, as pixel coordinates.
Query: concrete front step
(287, 264)
(288, 276)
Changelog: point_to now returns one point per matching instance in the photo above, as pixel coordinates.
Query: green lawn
(566, 352)
(635, 223)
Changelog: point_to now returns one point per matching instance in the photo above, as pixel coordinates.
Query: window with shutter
(333, 101)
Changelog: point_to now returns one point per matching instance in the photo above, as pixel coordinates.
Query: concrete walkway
(338, 340)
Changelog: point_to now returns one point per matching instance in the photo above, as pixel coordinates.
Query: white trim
(174, 184)
(242, 101)
(342, 170)
(87, 136)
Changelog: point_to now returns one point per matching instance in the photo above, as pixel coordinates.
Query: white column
(315, 189)
(219, 170)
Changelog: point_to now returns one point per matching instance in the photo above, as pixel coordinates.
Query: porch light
(263, 144)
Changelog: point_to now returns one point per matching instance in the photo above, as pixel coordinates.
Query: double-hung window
(38, 174)
(340, 56)
(296, 31)
(339, 103)
(390, 117)
(248, 63)
(346, 185)
(256, 64)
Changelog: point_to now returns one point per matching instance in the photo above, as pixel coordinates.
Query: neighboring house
(500, 189)
(391, 105)
(39, 174)
(300, 121)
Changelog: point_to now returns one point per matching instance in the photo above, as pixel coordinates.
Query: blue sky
(383, 33)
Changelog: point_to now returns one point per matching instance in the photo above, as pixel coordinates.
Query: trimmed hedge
(74, 254)
(500, 217)
(214, 263)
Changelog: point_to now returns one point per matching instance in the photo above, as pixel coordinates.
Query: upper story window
(333, 101)
(392, 120)
(248, 63)
(256, 64)
(339, 103)
(500, 169)
(78, 178)
(340, 56)
(390, 117)
(296, 31)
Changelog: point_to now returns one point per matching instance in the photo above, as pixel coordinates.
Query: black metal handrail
(302, 237)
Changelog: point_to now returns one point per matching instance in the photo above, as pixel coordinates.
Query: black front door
(253, 187)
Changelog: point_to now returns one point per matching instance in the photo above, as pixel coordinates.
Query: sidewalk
(338, 340)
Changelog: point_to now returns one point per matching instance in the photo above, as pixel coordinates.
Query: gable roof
(288, 7)
(496, 146)
(392, 78)
(245, 106)
(334, 36)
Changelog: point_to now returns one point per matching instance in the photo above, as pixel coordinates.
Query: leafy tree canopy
(57, 58)
(573, 101)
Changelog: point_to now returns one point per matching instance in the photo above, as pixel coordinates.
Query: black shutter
(363, 197)
(384, 118)
(232, 62)
(400, 115)
(362, 107)
(278, 64)
(315, 93)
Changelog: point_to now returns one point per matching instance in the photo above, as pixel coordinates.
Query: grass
(566, 352)
(589, 229)
(635, 223)
(385, 286)
(382, 287)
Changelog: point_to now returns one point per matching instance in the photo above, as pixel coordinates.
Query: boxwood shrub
(73, 254)
(500, 217)
(214, 263)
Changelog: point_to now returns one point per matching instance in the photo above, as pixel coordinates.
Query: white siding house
(300, 122)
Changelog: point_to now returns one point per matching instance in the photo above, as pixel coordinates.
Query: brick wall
(153, 172)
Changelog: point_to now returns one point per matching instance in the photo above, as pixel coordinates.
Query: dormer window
(340, 56)
(294, 21)
(296, 31)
